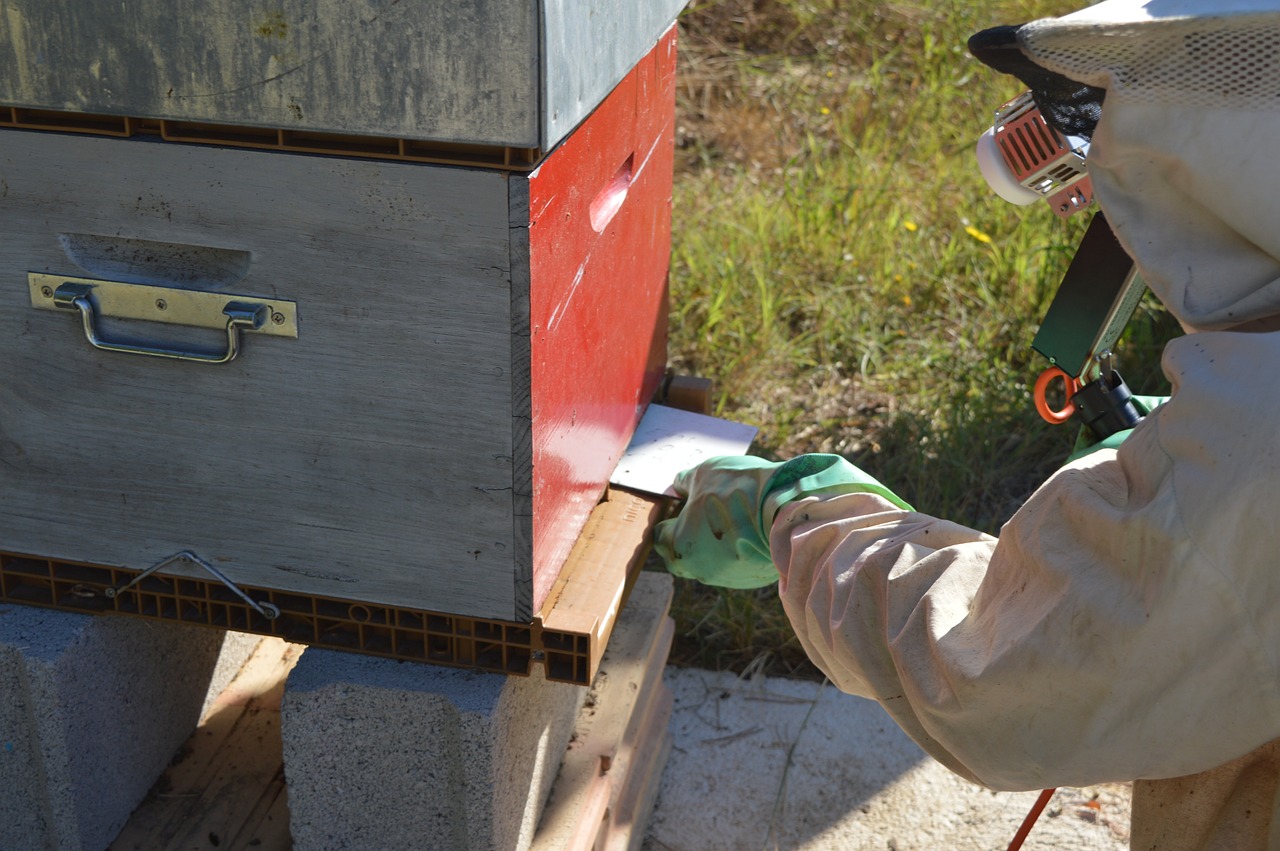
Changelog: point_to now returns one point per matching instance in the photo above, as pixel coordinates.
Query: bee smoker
(1024, 160)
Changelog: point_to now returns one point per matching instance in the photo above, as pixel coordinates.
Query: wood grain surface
(369, 459)
(496, 72)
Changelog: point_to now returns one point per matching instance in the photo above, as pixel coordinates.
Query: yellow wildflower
(911, 226)
(825, 110)
(977, 234)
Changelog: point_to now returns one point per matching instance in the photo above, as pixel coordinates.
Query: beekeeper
(1126, 623)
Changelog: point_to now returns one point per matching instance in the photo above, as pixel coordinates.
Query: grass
(843, 273)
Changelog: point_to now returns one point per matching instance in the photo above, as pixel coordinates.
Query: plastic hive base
(269, 138)
(316, 621)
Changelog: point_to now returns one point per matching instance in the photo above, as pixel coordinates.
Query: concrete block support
(92, 709)
(400, 755)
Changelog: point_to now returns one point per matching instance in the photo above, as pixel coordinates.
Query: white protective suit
(1126, 623)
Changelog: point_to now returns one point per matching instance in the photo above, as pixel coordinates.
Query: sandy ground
(783, 764)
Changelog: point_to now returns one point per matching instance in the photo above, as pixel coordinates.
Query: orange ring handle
(1070, 385)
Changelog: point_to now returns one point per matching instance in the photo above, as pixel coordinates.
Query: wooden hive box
(448, 365)
(517, 73)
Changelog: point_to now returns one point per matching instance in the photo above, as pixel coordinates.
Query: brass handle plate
(94, 299)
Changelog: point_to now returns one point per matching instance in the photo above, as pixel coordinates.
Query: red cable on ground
(1030, 820)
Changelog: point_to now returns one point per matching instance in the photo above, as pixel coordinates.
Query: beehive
(440, 367)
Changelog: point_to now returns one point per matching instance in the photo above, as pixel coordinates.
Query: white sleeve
(1125, 625)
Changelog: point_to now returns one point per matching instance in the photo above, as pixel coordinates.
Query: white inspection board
(669, 440)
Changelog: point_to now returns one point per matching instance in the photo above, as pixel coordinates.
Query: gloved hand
(721, 536)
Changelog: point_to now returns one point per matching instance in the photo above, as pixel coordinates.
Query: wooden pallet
(609, 778)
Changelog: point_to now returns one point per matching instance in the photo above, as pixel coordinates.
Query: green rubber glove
(721, 536)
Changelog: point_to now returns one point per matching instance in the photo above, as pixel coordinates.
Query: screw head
(47, 292)
(161, 304)
(278, 318)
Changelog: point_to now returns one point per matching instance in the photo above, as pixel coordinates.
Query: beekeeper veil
(1181, 99)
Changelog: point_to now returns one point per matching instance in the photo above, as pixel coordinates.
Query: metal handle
(240, 315)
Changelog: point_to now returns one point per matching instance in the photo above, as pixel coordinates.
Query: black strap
(1069, 106)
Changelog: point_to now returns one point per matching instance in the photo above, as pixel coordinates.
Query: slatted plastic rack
(568, 637)
(267, 138)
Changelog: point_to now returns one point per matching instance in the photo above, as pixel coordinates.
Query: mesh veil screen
(1217, 61)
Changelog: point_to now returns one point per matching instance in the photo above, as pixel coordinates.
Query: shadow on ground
(786, 764)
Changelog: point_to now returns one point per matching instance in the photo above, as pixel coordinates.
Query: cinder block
(400, 755)
(91, 711)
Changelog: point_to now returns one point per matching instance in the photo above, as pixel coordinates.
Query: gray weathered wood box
(518, 73)
(438, 366)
